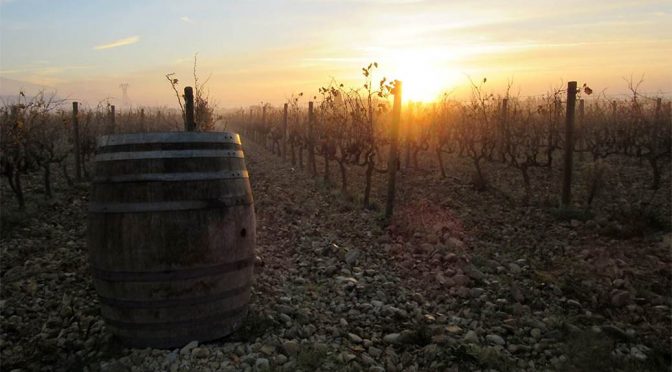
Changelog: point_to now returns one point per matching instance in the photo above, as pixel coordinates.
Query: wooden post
(311, 139)
(503, 132)
(569, 144)
(142, 120)
(262, 131)
(582, 129)
(505, 105)
(189, 124)
(113, 119)
(75, 134)
(393, 158)
(284, 133)
(408, 134)
(248, 127)
(14, 113)
(659, 108)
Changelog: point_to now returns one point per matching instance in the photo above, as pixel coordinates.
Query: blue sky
(265, 50)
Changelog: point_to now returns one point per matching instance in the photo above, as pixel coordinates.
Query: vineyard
(350, 128)
(496, 255)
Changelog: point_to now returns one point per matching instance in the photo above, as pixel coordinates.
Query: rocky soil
(459, 281)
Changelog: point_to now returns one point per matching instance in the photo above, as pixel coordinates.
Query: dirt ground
(460, 279)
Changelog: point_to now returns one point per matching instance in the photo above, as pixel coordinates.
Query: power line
(124, 94)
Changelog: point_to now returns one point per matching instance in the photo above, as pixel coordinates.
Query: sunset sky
(266, 50)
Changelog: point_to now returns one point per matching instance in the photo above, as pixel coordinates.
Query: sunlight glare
(423, 79)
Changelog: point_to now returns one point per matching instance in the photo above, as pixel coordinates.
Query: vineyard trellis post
(284, 133)
(248, 127)
(189, 124)
(408, 134)
(262, 132)
(311, 139)
(569, 144)
(503, 131)
(113, 119)
(393, 158)
(581, 128)
(75, 134)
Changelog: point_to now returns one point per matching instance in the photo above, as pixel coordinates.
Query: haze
(266, 50)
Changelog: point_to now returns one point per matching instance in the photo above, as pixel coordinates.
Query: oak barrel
(171, 236)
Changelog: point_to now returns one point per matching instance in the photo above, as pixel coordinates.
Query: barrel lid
(168, 137)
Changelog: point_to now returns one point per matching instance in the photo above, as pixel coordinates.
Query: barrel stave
(171, 236)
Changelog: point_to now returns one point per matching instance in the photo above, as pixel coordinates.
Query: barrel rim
(201, 332)
(166, 154)
(176, 274)
(167, 137)
(172, 177)
(116, 303)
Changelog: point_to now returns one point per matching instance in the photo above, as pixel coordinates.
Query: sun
(423, 79)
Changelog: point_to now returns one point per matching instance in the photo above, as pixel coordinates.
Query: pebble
(450, 257)
(186, 349)
(620, 298)
(367, 359)
(514, 268)
(455, 244)
(474, 273)
(262, 364)
(200, 352)
(375, 352)
(113, 366)
(476, 292)
(460, 280)
(574, 303)
(291, 347)
(281, 359)
(267, 349)
(470, 337)
(392, 338)
(315, 308)
(637, 353)
(355, 338)
(352, 256)
(615, 332)
(495, 339)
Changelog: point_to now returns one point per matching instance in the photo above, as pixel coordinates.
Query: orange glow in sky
(262, 50)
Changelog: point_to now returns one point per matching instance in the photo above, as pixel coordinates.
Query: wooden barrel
(171, 236)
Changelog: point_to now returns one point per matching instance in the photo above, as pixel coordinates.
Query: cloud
(118, 43)
(186, 19)
(41, 68)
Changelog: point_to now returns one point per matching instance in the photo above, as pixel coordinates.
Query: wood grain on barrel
(171, 236)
